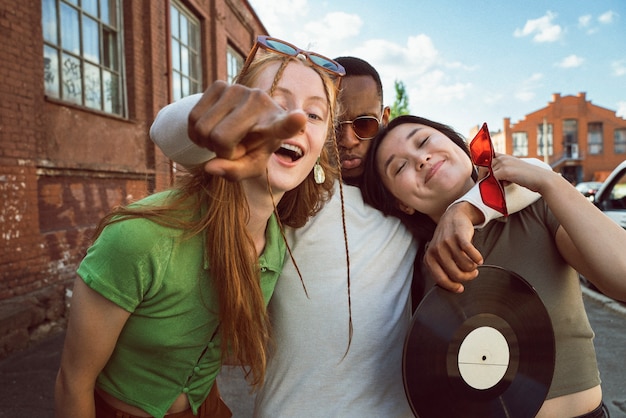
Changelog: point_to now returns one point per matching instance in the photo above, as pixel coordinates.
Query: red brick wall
(62, 167)
(572, 107)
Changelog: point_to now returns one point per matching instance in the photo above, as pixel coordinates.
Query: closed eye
(399, 168)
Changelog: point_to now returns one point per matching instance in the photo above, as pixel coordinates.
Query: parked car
(611, 197)
(589, 188)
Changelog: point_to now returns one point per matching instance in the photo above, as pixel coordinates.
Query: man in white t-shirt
(312, 372)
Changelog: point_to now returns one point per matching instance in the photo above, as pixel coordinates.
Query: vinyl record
(486, 352)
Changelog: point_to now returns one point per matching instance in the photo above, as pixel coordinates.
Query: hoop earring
(318, 172)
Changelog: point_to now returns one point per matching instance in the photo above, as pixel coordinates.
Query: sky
(468, 62)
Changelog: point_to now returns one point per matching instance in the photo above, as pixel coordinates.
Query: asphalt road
(27, 377)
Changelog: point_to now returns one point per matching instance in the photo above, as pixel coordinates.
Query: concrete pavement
(27, 378)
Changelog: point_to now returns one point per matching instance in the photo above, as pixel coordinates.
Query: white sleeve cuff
(517, 197)
(169, 133)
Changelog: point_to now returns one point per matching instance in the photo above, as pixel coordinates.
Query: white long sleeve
(169, 133)
(517, 197)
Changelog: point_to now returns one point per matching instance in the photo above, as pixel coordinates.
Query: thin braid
(343, 223)
(282, 233)
(277, 77)
(345, 240)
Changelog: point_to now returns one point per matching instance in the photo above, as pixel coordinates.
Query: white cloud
(619, 68)
(571, 61)
(277, 15)
(527, 90)
(432, 82)
(339, 24)
(542, 29)
(607, 17)
(621, 109)
(584, 21)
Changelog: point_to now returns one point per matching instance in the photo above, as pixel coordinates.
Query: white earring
(318, 172)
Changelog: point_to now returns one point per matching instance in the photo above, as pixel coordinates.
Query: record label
(486, 352)
(483, 358)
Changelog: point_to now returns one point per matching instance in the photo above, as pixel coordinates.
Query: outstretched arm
(589, 240)
(240, 125)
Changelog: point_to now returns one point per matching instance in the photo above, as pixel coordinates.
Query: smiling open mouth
(291, 151)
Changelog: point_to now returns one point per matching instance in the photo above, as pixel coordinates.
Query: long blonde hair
(234, 270)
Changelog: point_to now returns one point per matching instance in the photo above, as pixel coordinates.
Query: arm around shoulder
(169, 133)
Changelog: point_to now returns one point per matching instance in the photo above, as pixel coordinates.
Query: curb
(606, 301)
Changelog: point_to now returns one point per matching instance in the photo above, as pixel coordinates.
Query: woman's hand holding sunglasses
(243, 126)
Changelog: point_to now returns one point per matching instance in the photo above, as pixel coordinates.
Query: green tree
(401, 105)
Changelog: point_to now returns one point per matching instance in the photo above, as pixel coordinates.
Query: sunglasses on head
(284, 48)
(364, 127)
(482, 152)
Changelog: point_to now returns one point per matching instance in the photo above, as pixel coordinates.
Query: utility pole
(544, 134)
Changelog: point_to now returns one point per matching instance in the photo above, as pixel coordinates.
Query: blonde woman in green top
(178, 281)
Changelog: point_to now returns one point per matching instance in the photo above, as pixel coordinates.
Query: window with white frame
(234, 63)
(595, 140)
(544, 144)
(82, 53)
(186, 66)
(619, 139)
(520, 144)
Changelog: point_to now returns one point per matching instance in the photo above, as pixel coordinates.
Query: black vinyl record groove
(486, 352)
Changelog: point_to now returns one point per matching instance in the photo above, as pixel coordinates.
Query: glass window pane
(194, 70)
(93, 95)
(91, 40)
(194, 87)
(184, 60)
(116, 94)
(109, 49)
(193, 38)
(49, 21)
(108, 12)
(619, 137)
(51, 71)
(112, 94)
(71, 78)
(70, 36)
(184, 32)
(176, 86)
(174, 21)
(175, 55)
(184, 86)
(90, 6)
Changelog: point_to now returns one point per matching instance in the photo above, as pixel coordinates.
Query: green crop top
(169, 345)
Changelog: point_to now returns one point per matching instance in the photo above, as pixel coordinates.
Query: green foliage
(401, 105)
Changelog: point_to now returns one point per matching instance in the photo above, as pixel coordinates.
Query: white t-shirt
(308, 375)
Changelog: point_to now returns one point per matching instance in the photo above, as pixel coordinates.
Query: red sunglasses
(491, 190)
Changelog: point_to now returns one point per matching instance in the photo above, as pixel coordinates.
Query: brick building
(81, 82)
(583, 141)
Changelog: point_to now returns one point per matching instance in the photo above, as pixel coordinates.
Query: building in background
(82, 81)
(580, 140)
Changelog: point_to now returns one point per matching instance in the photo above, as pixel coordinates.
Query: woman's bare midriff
(180, 404)
(572, 405)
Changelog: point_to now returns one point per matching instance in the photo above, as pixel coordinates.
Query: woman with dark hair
(417, 168)
(179, 281)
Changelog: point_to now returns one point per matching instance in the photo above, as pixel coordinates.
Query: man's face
(358, 97)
